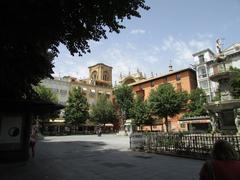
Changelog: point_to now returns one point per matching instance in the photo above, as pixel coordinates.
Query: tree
(46, 95)
(124, 99)
(235, 83)
(166, 102)
(140, 112)
(103, 111)
(76, 111)
(195, 106)
(32, 30)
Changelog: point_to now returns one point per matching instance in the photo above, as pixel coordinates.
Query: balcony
(220, 71)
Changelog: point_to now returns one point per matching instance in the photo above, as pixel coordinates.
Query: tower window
(94, 75)
(201, 59)
(105, 76)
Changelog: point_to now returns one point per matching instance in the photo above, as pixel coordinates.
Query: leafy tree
(124, 99)
(235, 83)
(165, 102)
(103, 111)
(197, 99)
(141, 113)
(32, 30)
(76, 111)
(45, 94)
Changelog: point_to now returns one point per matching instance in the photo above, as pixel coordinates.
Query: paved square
(89, 157)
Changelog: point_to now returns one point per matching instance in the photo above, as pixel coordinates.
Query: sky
(170, 32)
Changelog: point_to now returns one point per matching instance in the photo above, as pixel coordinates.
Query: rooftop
(158, 77)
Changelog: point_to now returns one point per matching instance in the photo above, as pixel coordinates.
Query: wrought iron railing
(188, 145)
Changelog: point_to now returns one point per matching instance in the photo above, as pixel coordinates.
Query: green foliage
(45, 94)
(103, 111)
(32, 31)
(235, 83)
(165, 101)
(195, 106)
(124, 98)
(76, 111)
(141, 113)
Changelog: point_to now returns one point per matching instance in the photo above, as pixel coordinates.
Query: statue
(237, 120)
(218, 46)
(214, 121)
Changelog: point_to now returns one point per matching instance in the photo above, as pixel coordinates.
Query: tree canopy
(124, 99)
(45, 94)
(235, 83)
(166, 102)
(141, 113)
(32, 30)
(195, 106)
(103, 111)
(76, 111)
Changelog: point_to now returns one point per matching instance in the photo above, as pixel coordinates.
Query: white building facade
(204, 68)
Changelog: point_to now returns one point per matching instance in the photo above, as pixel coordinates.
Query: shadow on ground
(89, 160)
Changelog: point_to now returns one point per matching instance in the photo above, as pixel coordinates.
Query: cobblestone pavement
(88, 157)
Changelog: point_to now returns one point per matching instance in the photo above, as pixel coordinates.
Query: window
(165, 80)
(105, 76)
(183, 125)
(202, 72)
(179, 87)
(178, 77)
(94, 75)
(203, 84)
(92, 92)
(201, 58)
(108, 96)
(152, 83)
(140, 94)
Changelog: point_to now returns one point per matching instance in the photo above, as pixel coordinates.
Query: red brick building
(182, 80)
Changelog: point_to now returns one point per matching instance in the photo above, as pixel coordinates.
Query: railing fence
(188, 145)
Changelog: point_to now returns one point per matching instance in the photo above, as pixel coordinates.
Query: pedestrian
(32, 142)
(99, 131)
(225, 164)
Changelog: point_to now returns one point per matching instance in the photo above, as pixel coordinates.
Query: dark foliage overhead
(32, 30)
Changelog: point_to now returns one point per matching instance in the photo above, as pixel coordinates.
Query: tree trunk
(166, 123)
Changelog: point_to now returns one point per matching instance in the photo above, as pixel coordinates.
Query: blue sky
(172, 30)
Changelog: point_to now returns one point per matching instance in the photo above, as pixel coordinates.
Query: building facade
(98, 83)
(205, 68)
(182, 80)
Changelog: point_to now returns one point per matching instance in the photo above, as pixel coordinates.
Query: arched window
(105, 76)
(94, 75)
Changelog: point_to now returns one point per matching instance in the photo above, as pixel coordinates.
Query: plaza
(90, 157)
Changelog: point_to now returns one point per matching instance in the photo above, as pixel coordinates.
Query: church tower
(101, 74)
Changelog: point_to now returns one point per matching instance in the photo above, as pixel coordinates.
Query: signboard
(10, 129)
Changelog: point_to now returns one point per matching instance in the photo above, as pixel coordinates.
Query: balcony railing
(202, 75)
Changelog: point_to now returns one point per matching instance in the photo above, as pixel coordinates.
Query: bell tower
(101, 74)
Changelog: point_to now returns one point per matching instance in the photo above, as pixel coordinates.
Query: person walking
(225, 163)
(32, 142)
